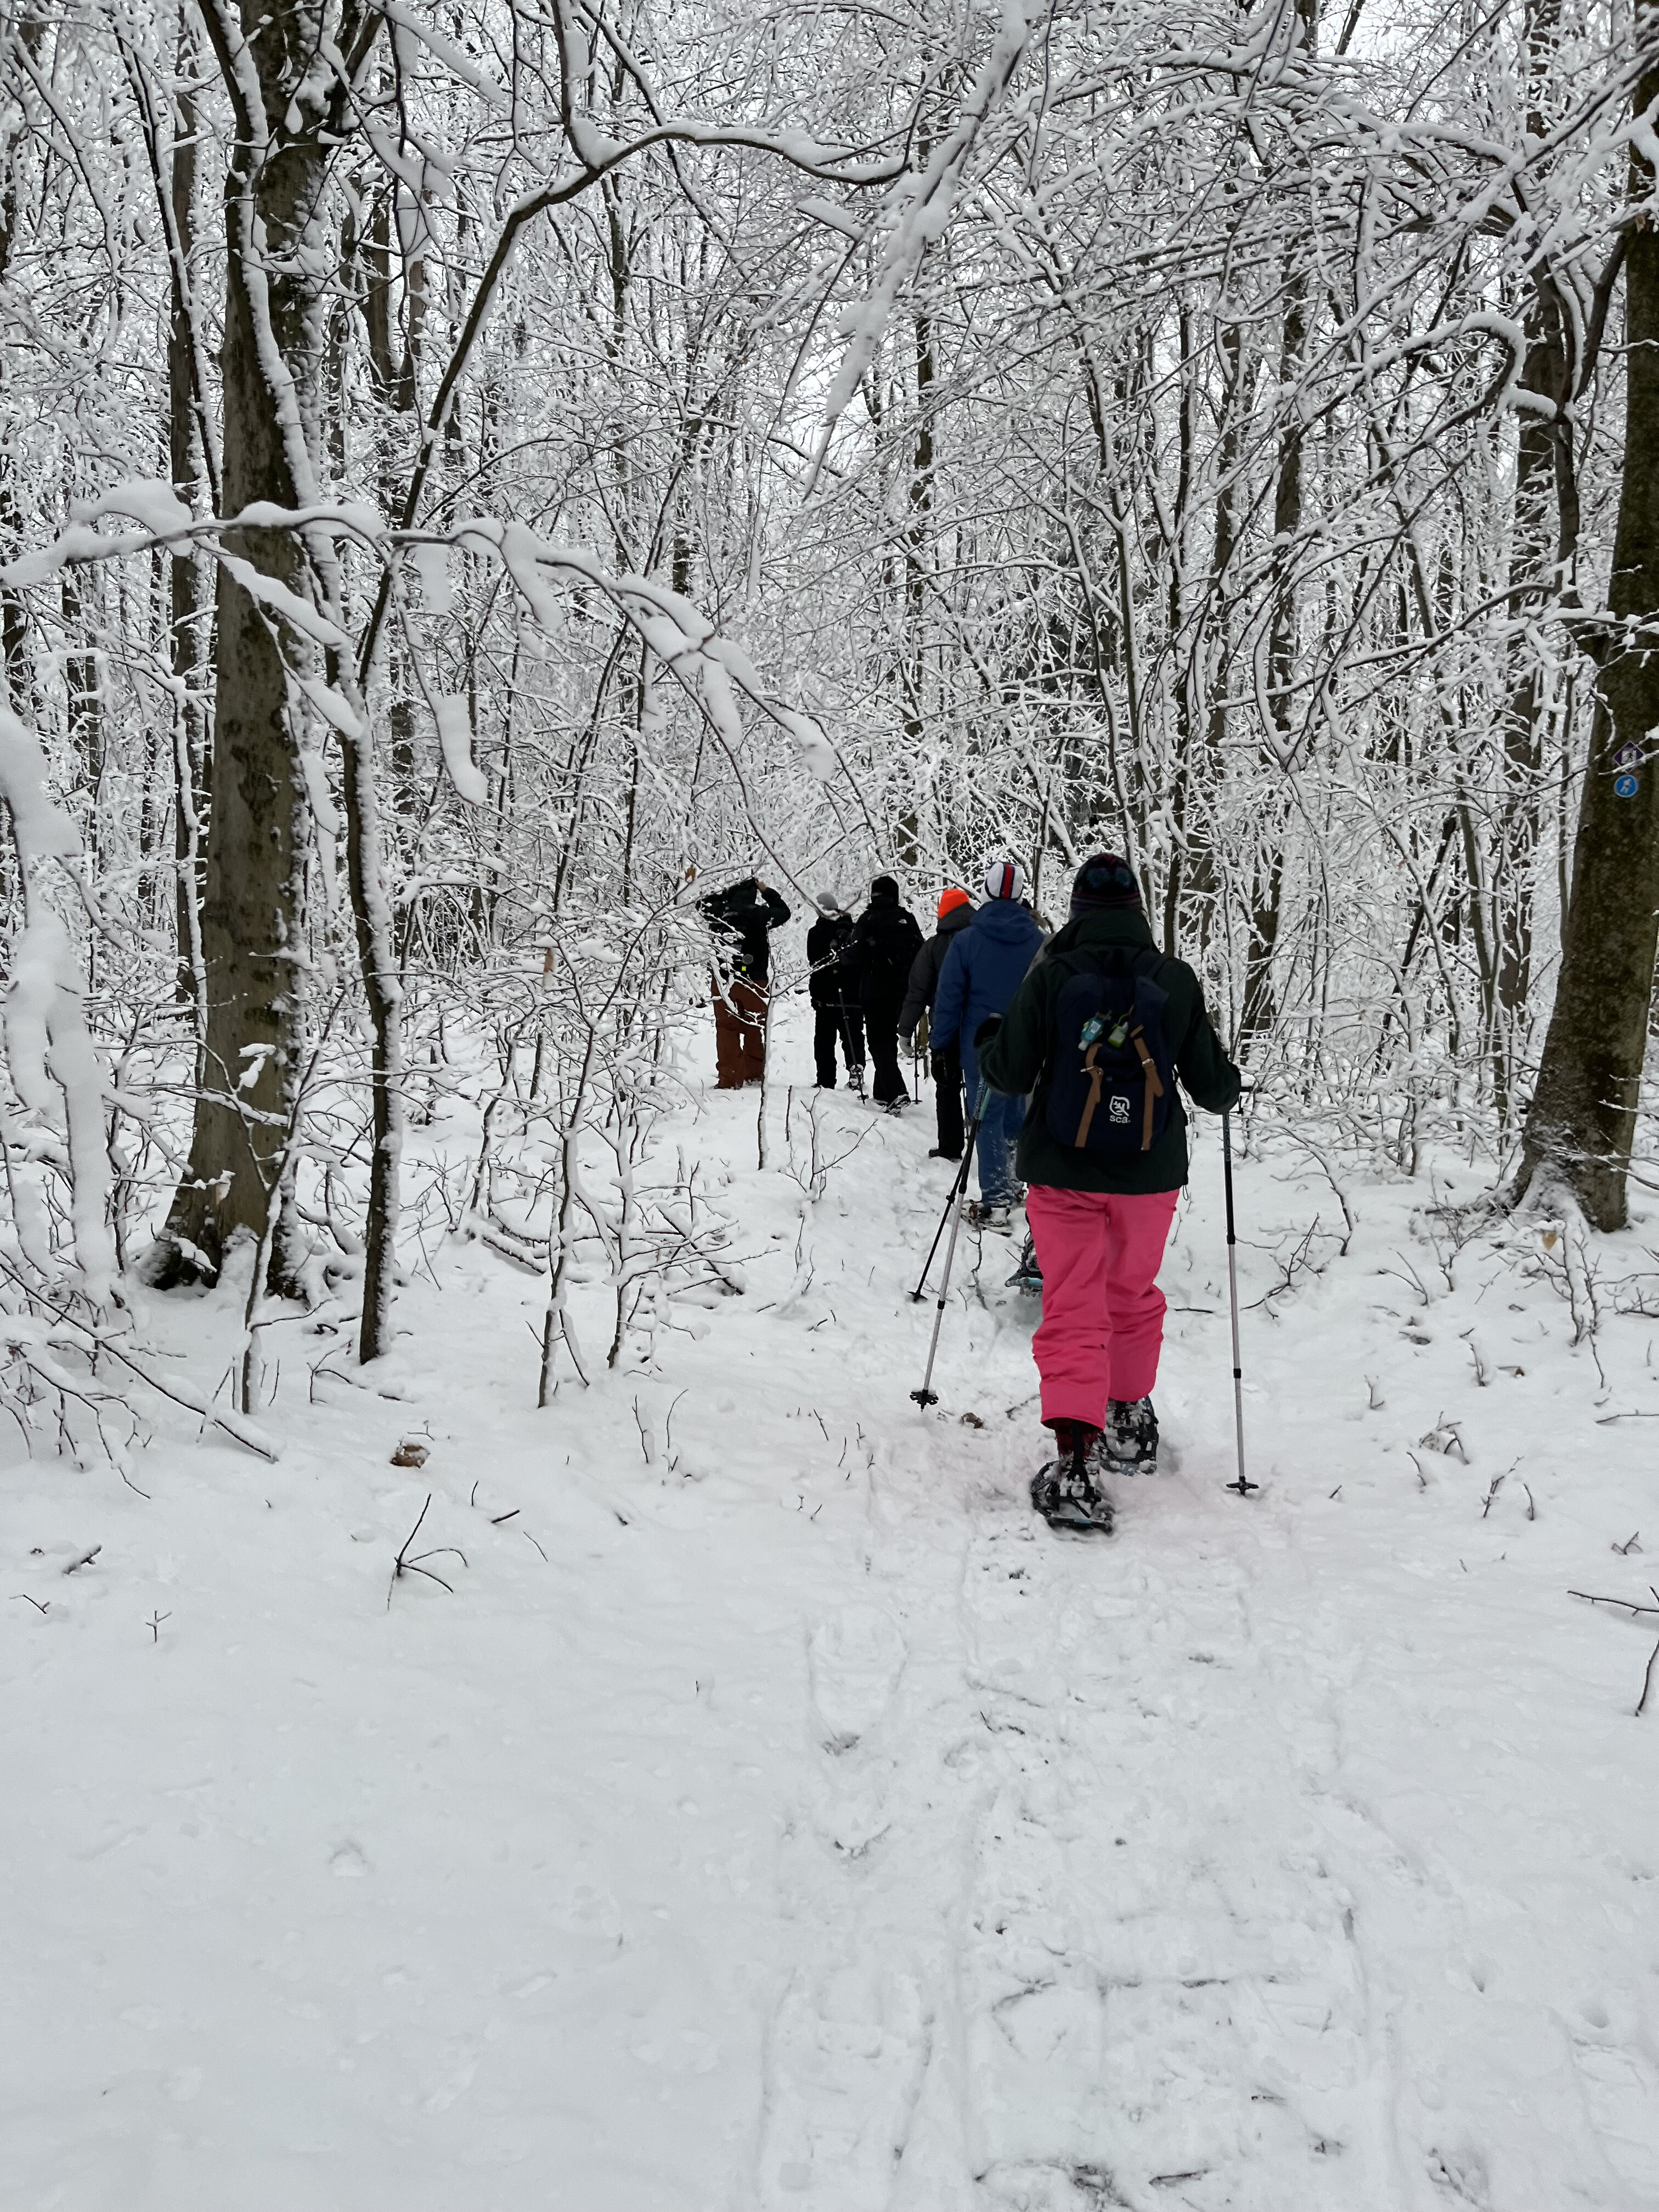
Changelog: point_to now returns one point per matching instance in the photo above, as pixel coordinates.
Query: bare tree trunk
(1268, 873)
(1184, 701)
(1212, 645)
(16, 682)
(288, 131)
(1581, 1121)
(1544, 546)
(918, 552)
(187, 467)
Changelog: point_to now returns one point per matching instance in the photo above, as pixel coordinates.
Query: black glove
(987, 1030)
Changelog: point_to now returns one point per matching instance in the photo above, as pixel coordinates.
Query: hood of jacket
(1005, 921)
(1097, 929)
(958, 918)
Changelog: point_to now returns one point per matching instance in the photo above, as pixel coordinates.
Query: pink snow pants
(1103, 1312)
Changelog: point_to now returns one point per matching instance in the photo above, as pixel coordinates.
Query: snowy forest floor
(776, 1814)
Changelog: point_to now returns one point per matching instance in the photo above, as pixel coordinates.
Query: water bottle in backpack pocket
(1110, 1077)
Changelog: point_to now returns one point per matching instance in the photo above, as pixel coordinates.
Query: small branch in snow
(1623, 1604)
(85, 1559)
(23, 1597)
(154, 1625)
(1629, 1546)
(1647, 1683)
(408, 1563)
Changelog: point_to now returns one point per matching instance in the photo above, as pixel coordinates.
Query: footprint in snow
(856, 1657)
(845, 2060)
(1622, 2092)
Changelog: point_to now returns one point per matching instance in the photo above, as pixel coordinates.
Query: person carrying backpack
(837, 1015)
(956, 911)
(983, 969)
(1098, 1034)
(885, 942)
(741, 918)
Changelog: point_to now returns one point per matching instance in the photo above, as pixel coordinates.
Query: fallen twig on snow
(1647, 1683)
(1625, 1604)
(406, 1563)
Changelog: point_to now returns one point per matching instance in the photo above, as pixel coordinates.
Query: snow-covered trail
(777, 1816)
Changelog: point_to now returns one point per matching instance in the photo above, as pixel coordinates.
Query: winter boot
(1131, 1438)
(1064, 1490)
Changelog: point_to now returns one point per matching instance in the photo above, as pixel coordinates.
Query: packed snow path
(776, 1815)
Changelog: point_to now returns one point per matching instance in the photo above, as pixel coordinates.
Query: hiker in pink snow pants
(1097, 1035)
(1103, 1312)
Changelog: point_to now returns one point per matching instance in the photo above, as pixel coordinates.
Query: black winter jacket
(1016, 1060)
(740, 919)
(829, 955)
(923, 987)
(884, 945)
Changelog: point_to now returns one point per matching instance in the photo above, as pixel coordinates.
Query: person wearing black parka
(885, 941)
(1100, 1222)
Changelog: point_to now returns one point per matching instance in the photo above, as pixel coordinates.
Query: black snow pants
(947, 1102)
(833, 1025)
(881, 1013)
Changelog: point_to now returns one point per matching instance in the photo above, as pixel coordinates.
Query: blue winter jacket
(983, 969)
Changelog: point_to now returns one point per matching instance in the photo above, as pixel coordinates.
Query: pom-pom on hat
(1005, 879)
(828, 902)
(1105, 880)
(949, 900)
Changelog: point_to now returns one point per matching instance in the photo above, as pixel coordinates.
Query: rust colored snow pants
(739, 1033)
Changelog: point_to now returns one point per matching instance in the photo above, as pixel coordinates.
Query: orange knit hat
(951, 900)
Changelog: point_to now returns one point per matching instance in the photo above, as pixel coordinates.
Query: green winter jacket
(1015, 1060)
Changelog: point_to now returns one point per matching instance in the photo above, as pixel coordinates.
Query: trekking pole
(927, 1396)
(1243, 1485)
(959, 1184)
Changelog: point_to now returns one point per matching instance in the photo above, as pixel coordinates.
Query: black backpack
(1111, 1080)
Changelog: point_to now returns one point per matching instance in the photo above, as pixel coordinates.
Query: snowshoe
(1064, 1491)
(1027, 1276)
(1131, 1436)
(989, 1213)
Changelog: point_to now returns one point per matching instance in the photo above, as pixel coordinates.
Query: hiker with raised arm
(741, 919)
(1096, 1037)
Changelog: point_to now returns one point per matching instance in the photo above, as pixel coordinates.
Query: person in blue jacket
(983, 969)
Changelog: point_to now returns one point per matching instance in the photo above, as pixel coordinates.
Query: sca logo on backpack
(1111, 1076)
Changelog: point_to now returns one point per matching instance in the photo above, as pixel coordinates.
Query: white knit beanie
(1005, 879)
